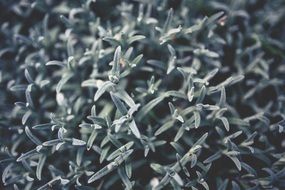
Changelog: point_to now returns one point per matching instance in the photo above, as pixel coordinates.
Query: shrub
(185, 94)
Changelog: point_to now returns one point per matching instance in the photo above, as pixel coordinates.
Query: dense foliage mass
(142, 94)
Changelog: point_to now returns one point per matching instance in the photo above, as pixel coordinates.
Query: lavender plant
(142, 94)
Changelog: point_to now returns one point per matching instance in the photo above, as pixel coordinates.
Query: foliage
(142, 94)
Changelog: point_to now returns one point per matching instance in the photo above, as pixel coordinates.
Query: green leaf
(18, 87)
(148, 107)
(28, 76)
(40, 165)
(106, 85)
(222, 101)
(110, 167)
(136, 60)
(29, 96)
(92, 138)
(104, 153)
(101, 173)
(78, 142)
(201, 140)
(197, 119)
(28, 154)
(225, 123)
(128, 169)
(212, 158)
(31, 136)
(179, 134)
(236, 162)
(116, 62)
(201, 96)
(125, 178)
(120, 106)
(62, 81)
(25, 117)
(164, 127)
(112, 41)
(135, 38)
(57, 63)
(157, 168)
(190, 94)
(168, 21)
(134, 129)
(214, 17)
(119, 151)
(66, 21)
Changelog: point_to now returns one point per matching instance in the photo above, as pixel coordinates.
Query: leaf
(171, 107)
(238, 121)
(248, 168)
(148, 107)
(98, 120)
(77, 142)
(168, 20)
(164, 127)
(102, 89)
(179, 134)
(112, 41)
(178, 179)
(134, 129)
(201, 140)
(28, 76)
(157, 168)
(175, 94)
(28, 154)
(201, 96)
(101, 173)
(211, 74)
(226, 123)
(222, 101)
(214, 17)
(31, 136)
(19, 87)
(212, 158)
(40, 166)
(110, 167)
(123, 95)
(92, 138)
(206, 52)
(235, 186)
(190, 94)
(116, 62)
(42, 126)
(171, 65)
(90, 83)
(125, 178)
(25, 117)
(224, 185)
(236, 161)
(197, 119)
(136, 60)
(193, 160)
(29, 96)
(120, 150)
(57, 63)
(229, 81)
(52, 142)
(120, 106)
(135, 38)
(66, 21)
(62, 81)
(104, 153)
(79, 156)
(128, 169)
